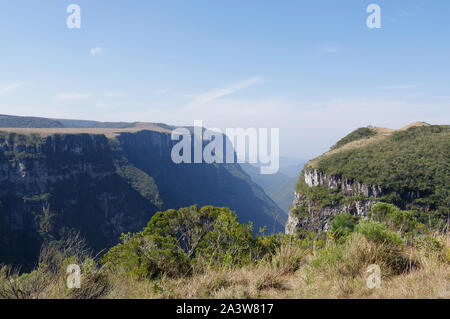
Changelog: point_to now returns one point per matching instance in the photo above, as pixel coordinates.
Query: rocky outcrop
(347, 186)
(54, 185)
(407, 168)
(317, 217)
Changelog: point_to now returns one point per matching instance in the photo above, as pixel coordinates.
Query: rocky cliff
(52, 185)
(314, 215)
(408, 167)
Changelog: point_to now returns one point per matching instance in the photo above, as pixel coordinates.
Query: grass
(312, 279)
(108, 132)
(410, 165)
(293, 272)
(381, 133)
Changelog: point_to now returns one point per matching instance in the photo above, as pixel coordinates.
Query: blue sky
(311, 68)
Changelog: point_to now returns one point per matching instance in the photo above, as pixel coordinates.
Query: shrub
(147, 256)
(177, 241)
(394, 217)
(49, 278)
(354, 255)
(288, 259)
(429, 244)
(360, 252)
(26, 286)
(228, 243)
(342, 225)
(378, 233)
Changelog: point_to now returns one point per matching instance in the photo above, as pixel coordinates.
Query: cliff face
(316, 217)
(406, 167)
(101, 187)
(314, 178)
(61, 184)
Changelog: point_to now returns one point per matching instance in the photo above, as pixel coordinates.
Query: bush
(288, 259)
(147, 256)
(26, 286)
(354, 255)
(377, 232)
(395, 218)
(48, 280)
(177, 241)
(343, 225)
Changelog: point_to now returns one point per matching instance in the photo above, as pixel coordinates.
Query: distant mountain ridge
(10, 121)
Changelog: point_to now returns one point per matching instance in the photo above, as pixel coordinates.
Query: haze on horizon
(311, 68)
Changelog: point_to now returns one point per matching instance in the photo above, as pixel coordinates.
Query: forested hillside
(408, 167)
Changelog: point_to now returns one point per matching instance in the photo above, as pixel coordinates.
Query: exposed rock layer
(55, 185)
(318, 217)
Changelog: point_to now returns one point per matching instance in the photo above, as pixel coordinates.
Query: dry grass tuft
(291, 273)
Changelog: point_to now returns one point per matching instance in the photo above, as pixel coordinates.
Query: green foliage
(378, 240)
(88, 180)
(22, 121)
(24, 140)
(361, 133)
(430, 244)
(50, 275)
(343, 224)
(410, 165)
(395, 218)
(319, 196)
(229, 243)
(141, 181)
(148, 256)
(176, 241)
(348, 200)
(301, 211)
(378, 232)
(352, 256)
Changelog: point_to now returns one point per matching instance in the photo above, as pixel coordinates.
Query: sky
(313, 69)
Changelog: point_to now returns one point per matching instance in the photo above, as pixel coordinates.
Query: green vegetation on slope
(412, 167)
(28, 121)
(361, 133)
(282, 192)
(11, 121)
(279, 186)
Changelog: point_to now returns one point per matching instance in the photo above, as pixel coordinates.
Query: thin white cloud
(72, 96)
(218, 93)
(96, 50)
(161, 91)
(100, 105)
(402, 13)
(330, 48)
(300, 133)
(114, 94)
(10, 87)
(400, 86)
(307, 127)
